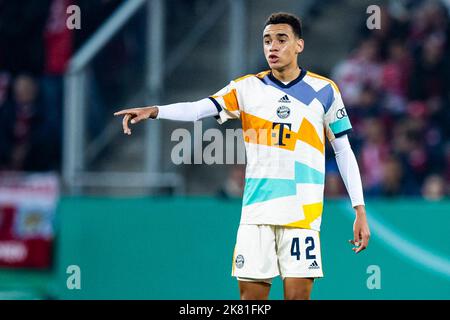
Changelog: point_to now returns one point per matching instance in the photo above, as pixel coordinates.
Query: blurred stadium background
(75, 191)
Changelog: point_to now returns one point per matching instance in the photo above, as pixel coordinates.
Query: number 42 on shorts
(309, 246)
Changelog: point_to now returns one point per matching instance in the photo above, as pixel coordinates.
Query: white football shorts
(263, 252)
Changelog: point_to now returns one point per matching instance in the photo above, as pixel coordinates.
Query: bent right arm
(184, 111)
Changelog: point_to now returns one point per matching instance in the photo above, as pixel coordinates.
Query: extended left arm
(348, 168)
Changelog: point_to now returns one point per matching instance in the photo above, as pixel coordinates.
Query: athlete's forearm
(348, 168)
(187, 111)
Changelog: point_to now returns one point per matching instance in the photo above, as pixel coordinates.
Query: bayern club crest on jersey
(239, 261)
(283, 112)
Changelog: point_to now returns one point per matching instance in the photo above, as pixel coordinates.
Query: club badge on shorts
(239, 261)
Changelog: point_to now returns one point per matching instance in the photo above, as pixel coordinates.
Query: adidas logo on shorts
(314, 265)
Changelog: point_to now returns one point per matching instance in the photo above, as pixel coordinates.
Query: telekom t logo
(281, 127)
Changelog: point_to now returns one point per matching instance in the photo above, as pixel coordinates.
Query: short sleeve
(336, 120)
(227, 103)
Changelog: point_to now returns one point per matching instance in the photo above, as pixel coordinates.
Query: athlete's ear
(300, 46)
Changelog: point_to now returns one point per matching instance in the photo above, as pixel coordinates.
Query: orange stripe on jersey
(314, 75)
(262, 74)
(308, 134)
(261, 131)
(258, 75)
(289, 138)
(231, 102)
(244, 77)
(255, 129)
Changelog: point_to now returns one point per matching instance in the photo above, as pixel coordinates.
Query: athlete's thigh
(254, 289)
(297, 288)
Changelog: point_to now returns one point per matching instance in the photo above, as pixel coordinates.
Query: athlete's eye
(266, 42)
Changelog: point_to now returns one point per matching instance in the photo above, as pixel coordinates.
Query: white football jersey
(284, 127)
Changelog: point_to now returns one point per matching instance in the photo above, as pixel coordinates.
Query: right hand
(361, 232)
(136, 115)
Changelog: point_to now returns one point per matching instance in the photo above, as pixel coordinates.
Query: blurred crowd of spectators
(395, 84)
(396, 87)
(35, 47)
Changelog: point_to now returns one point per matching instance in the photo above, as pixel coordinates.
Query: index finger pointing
(122, 112)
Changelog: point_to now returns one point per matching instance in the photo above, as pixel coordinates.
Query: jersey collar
(290, 84)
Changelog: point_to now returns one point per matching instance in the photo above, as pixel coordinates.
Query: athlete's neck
(287, 75)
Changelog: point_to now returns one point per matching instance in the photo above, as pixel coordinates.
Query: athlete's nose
(273, 47)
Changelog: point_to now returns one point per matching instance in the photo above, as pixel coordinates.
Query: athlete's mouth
(273, 58)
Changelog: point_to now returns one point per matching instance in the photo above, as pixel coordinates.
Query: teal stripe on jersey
(340, 125)
(306, 174)
(263, 189)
